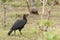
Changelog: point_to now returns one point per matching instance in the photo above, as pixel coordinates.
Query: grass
(27, 34)
(31, 30)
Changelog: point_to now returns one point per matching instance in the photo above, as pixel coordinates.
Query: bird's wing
(18, 23)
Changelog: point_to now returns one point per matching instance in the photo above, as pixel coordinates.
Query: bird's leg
(14, 32)
(20, 31)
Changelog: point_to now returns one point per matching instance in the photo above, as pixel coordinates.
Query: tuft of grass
(45, 22)
(12, 15)
(51, 36)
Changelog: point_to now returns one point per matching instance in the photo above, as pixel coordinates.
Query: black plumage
(19, 24)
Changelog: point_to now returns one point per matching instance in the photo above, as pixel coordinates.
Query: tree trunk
(33, 3)
(43, 9)
(4, 15)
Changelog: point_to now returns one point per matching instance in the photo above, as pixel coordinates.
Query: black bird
(18, 25)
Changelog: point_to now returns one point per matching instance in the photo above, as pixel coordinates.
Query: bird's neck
(24, 18)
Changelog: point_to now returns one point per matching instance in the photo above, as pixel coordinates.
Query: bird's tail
(10, 32)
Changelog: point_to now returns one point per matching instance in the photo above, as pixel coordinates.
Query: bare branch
(45, 2)
(28, 5)
(41, 1)
(50, 9)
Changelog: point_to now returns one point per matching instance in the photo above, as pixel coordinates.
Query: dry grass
(31, 30)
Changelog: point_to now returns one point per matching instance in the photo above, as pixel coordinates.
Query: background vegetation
(15, 10)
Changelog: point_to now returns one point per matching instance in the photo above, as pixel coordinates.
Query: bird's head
(25, 15)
